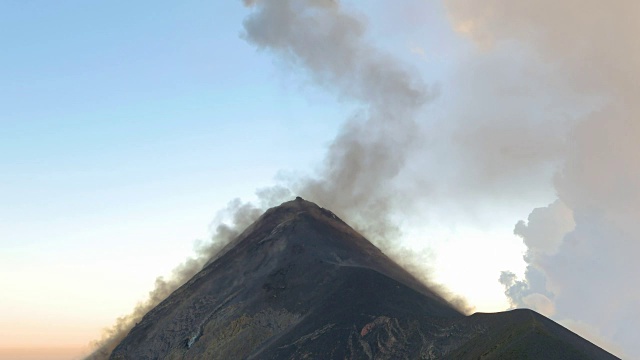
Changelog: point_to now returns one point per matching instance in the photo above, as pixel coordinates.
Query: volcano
(299, 283)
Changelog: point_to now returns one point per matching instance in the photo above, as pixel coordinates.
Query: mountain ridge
(300, 283)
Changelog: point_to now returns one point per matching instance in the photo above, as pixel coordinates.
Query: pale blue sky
(125, 127)
(112, 106)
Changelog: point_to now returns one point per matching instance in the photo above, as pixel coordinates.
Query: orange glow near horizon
(43, 353)
(46, 332)
(45, 338)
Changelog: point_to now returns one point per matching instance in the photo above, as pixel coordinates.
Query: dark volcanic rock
(301, 284)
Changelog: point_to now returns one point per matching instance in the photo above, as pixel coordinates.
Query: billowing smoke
(356, 179)
(581, 248)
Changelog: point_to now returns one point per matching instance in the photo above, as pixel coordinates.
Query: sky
(492, 148)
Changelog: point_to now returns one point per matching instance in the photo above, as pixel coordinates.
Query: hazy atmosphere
(490, 147)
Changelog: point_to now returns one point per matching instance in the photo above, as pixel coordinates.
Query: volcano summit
(300, 283)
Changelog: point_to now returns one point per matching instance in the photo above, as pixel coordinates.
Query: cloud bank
(581, 247)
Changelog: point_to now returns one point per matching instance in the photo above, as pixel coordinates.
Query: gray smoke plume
(582, 247)
(356, 179)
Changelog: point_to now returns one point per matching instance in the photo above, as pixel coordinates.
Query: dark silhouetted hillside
(301, 284)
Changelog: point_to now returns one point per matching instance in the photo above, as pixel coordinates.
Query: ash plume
(356, 179)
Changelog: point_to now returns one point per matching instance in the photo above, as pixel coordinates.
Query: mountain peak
(301, 283)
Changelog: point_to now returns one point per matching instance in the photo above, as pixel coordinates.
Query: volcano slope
(301, 284)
